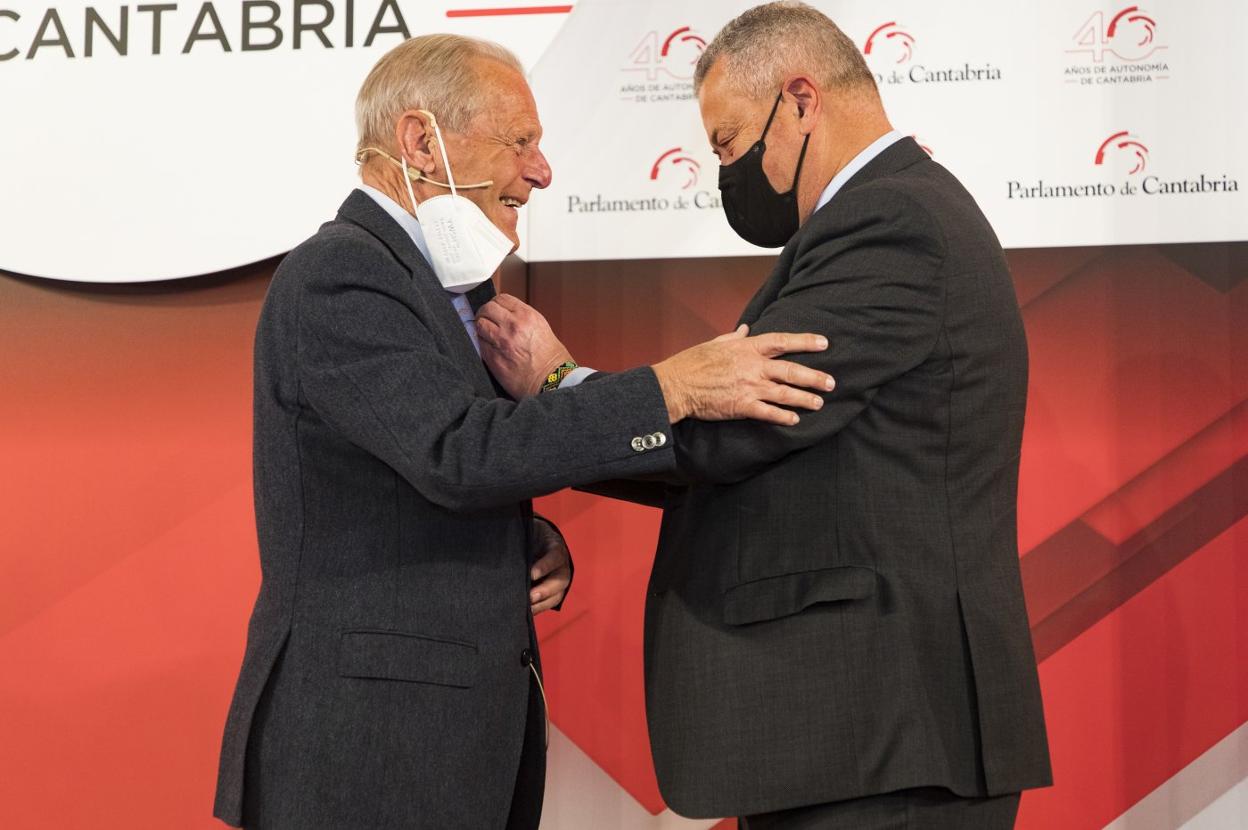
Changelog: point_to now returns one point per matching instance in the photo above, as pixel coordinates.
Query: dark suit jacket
(385, 680)
(835, 608)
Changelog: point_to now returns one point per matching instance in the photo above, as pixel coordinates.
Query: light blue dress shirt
(857, 163)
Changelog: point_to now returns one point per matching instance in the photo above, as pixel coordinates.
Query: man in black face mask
(756, 210)
(835, 627)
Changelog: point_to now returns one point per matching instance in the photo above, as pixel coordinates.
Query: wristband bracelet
(557, 375)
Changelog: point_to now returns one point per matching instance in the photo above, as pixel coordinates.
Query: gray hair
(429, 72)
(764, 44)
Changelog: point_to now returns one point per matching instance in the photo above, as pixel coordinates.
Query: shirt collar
(855, 164)
(406, 221)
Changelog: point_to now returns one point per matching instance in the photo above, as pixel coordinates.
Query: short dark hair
(764, 44)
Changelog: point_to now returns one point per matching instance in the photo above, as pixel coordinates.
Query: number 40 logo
(675, 55)
(1129, 36)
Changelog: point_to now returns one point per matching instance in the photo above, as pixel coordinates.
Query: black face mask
(755, 210)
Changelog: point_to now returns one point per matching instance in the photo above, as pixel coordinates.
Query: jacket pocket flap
(779, 596)
(396, 655)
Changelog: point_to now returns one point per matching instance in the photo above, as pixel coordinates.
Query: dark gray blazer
(385, 680)
(835, 608)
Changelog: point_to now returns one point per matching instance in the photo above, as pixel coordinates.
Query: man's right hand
(736, 376)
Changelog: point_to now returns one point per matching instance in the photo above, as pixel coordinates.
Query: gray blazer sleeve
(371, 367)
(647, 490)
(869, 280)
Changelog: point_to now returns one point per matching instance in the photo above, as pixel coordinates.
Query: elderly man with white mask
(391, 676)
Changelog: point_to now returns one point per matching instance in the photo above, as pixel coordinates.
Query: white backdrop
(209, 143)
(1016, 98)
(145, 166)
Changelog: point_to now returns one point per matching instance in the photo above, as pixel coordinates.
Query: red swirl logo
(897, 38)
(682, 166)
(1124, 143)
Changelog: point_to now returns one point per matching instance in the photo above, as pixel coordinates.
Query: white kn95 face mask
(465, 247)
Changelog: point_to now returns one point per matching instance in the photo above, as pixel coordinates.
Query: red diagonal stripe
(1095, 428)
(1164, 485)
(506, 11)
(1147, 690)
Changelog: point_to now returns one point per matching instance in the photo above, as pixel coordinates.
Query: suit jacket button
(526, 658)
(660, 439)
(638, 445)
(649, 442)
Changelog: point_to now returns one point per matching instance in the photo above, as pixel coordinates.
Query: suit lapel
(360, 209)
(897, 156)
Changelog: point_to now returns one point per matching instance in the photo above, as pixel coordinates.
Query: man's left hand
(518, 345)
(552, 572)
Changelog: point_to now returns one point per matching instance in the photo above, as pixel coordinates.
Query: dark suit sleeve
(636, 491)
(867, 277)
(647, 490)
(371, 368)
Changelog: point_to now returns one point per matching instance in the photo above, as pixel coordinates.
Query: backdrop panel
(160, 140)
(1072, 123)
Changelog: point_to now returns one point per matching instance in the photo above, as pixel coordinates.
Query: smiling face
(500, 145)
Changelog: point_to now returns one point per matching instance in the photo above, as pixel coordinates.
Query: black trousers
(526, 799)
(927, 808)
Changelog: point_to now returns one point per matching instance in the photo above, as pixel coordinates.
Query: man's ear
(802, 89)
(414, 137)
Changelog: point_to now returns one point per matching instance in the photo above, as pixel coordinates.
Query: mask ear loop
(414, 173)
(801, 158)
(446, 162)
(411, 194)
(770, 117)
(805, 143)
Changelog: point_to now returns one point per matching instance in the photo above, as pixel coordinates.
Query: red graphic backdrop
(127, 549)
